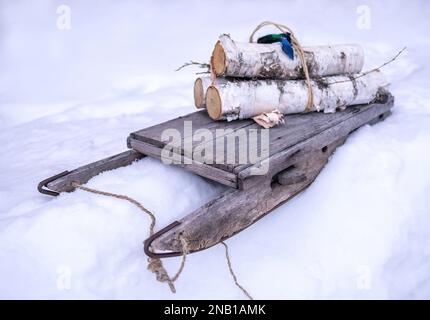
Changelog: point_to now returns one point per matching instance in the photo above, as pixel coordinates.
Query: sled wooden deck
(298, 150)
(299, 133)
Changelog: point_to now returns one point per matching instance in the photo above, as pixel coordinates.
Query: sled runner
(298, 151)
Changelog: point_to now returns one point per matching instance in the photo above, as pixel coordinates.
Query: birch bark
(232, 100)
(254, 60)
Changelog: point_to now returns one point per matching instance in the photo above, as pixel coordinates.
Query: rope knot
(300, 52)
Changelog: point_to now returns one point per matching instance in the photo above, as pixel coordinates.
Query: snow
(67, 98)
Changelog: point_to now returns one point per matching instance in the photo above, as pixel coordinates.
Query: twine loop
(299, 51)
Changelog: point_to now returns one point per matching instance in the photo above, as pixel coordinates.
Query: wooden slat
(201, 169)
(153, 134)
(85, 173)
(199, 120)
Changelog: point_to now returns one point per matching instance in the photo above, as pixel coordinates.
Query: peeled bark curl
(268, 61)
(233, 100)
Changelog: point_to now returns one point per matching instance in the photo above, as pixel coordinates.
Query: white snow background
(70, 97)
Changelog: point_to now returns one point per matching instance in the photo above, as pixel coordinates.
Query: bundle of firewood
(252, 79)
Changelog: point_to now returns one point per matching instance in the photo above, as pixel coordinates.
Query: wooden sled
(299, 149)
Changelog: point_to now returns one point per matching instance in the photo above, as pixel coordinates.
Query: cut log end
(199, 94)
(218, 60)
(213, 103)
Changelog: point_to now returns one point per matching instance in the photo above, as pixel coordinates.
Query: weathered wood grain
(285, 140)
(295, 131)
(153, 134)
(204, 170)
(200, 120)
(297, 128)
(235, 210)
(291, 175)
(85, 173)
(283, 159)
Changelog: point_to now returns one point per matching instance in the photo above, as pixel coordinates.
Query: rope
(227, 256)
(154, 265)
(122, 197)
(300, 52)
(184, 258)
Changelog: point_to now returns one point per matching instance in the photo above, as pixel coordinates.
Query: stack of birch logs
(250, 79)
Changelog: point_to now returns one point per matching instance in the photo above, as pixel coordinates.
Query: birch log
(201, 85)
(255, 60)
(249, 98)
